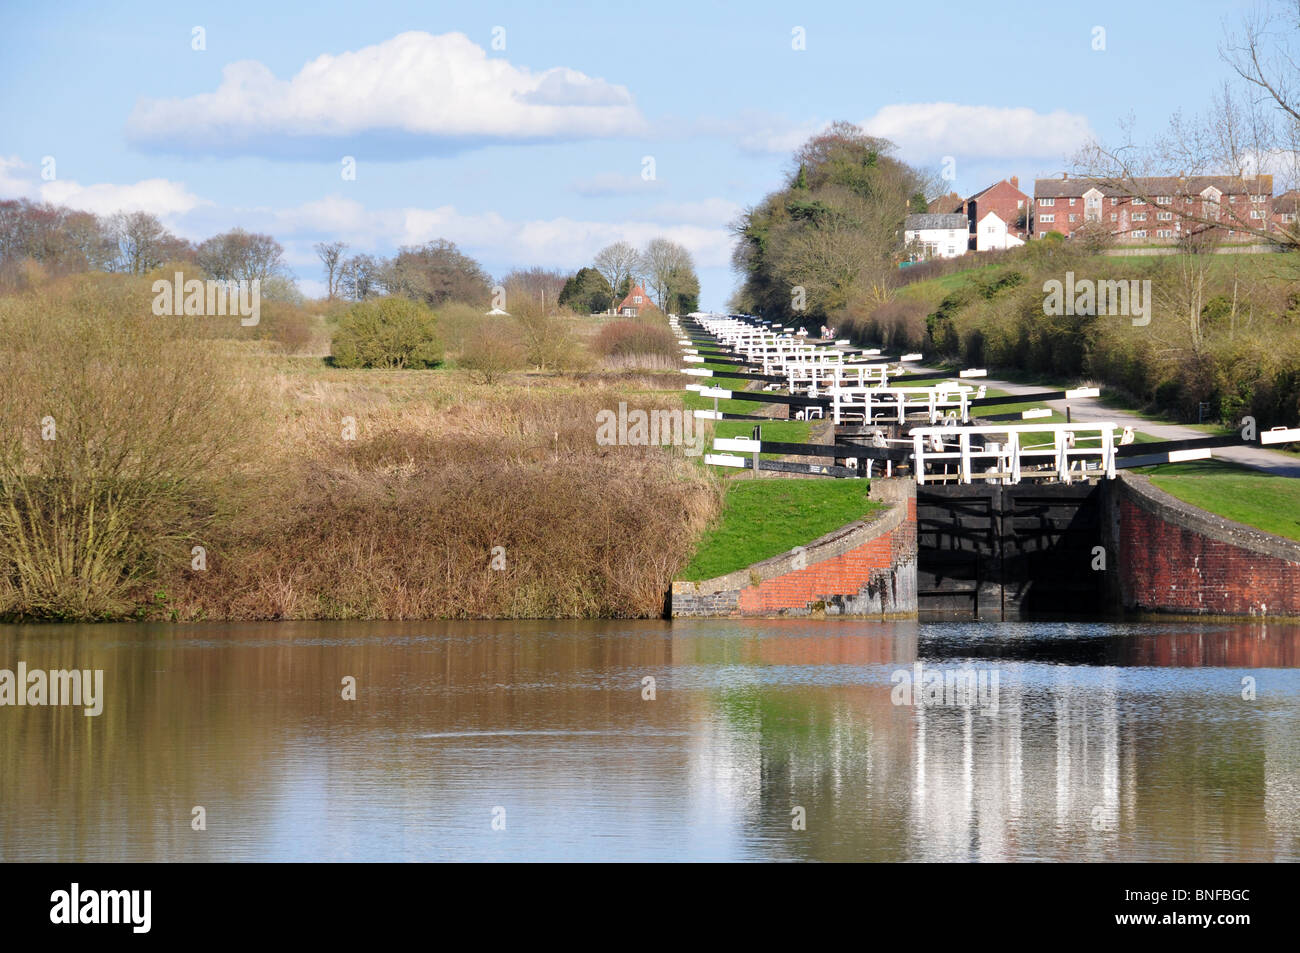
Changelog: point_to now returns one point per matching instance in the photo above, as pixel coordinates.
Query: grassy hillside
(1224, 328)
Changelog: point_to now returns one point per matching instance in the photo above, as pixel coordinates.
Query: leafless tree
(668, 266)
(1250, 127)
(143, 243)
(331, 256)
(617, 263)
(239, 255)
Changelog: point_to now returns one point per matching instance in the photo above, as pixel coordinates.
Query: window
(1140, 233)
(1139, 216)
(1288, 217)
(1165, 233)
(636, 299)
(1256, 213)
(1114, 216)
(1138, 201)
(1074, 218)
(1047, 201)
(1232, 198)
(1050, 219)
(1164, 200)
(1071, 201)
(1164, 216)
(1114, 200)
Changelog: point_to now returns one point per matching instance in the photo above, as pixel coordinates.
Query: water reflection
(1108, 742)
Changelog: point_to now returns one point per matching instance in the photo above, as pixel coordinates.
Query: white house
(936, 235)
(992, 234)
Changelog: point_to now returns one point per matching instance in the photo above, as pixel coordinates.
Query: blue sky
(534, 153)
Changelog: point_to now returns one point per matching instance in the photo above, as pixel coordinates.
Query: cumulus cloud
(161, 197)
(930, 130)
(414, 94)
(13, 184)
(556, 242)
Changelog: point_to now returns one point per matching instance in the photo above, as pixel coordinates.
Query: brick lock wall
(859, 570)
(859, 582)
(1176, 558)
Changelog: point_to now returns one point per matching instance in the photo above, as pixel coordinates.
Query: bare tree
(1250, 131)
(617, 263)
(331, 256)
(240, 255)
(359, 277)
(143, 243)
(667, 266)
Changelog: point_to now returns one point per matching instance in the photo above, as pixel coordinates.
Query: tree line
(66, 241)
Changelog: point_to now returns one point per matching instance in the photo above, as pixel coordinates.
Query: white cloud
(412, 94)
(931, 130)
(557, 242)
(160, 197)
(13, 186)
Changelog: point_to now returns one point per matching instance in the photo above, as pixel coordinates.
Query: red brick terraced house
(1164, 212)
(1286, 211)
(1005, 200)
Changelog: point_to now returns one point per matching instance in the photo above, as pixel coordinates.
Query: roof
(629, 303)
(945, 204)
(1005, 182)
(1288, 201)
(914, 223)
(1155, 185)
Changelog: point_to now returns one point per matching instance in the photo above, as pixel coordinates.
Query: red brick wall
(1167, 565)
(845, 575)
(1000, 199)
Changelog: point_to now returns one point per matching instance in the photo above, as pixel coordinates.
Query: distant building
(1286, 207)
(993, 234)
(936, 236)
(1005, 200)
(635, 302)
(946, 204)
(1160, 216)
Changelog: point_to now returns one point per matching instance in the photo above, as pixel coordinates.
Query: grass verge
(762, 518)
(1262, 500)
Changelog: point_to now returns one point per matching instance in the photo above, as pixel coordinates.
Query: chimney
(1064, 176)
(1015, 181)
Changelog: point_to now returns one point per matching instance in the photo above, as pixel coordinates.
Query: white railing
(1076, 451)
(874, 404)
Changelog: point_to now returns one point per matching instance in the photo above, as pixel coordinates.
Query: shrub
(634, 337)
(387, 332)
(112, 425)
(492, 350)
(456, 322)
(548, 339)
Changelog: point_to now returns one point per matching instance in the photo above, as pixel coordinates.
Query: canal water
(656, 740)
